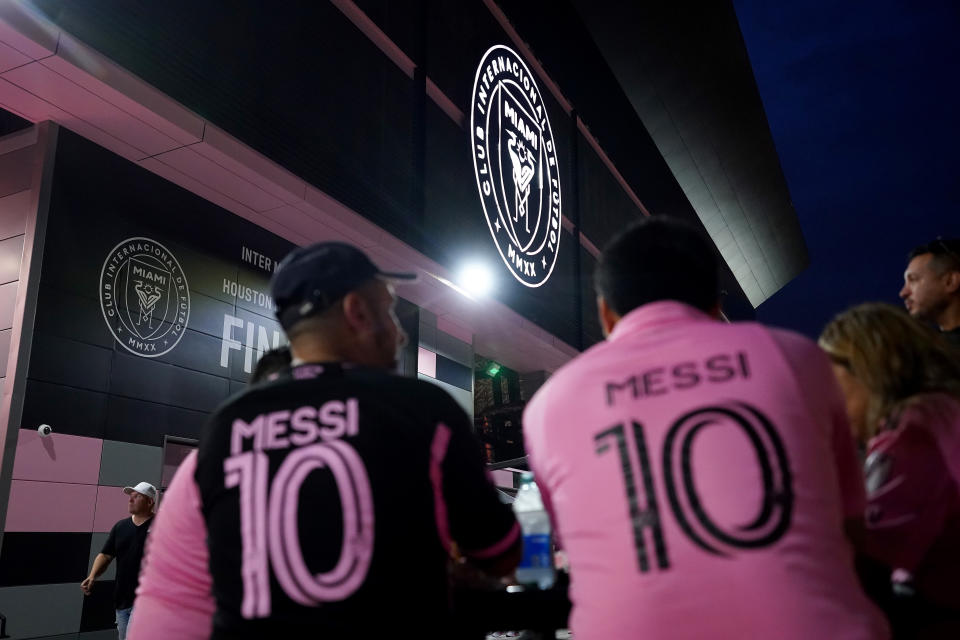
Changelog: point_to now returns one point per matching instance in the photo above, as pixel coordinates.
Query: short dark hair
(945, 251)
(658, 258)
(273, 361)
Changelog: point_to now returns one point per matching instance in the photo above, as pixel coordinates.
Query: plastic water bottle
(537, 564)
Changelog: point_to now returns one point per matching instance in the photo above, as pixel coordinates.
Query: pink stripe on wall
(589, 246)
(57, 458)
(457, 331)
(8, 302)
(4, 355)
(13, 207)
(426, 362)
(50, 506)
(111, 506)
(376, 35)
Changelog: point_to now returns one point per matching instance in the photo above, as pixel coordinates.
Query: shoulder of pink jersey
(937, 414)
(793, 341)
(933, 406)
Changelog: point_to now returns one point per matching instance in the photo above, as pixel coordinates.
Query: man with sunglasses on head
(931, 289)
(325, 502)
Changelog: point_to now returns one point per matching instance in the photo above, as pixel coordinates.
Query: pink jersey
(698, 475)
(913, 507)
(174, 598)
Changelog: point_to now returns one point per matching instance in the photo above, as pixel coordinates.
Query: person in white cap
(125, 543)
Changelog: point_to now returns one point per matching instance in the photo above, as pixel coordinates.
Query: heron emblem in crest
(515, 162)
(144, 297)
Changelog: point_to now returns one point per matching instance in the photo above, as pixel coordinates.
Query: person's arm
(828, 414)
(174, 599)
(534, 423)
(848, 468)
(100, 564)
(907, 504)
(874, 574)
(469, 513)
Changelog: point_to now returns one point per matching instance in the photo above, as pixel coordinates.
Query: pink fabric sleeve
(910, 487)
(533, 425)
(849, 468)
(823, 398)
(174, 598)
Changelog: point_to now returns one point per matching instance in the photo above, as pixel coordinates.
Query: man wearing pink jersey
(700, 475)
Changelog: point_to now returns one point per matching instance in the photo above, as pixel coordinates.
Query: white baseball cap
(144, 488)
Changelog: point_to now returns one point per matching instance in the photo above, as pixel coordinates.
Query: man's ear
(608, 317)
(356, 312)
(952, 281)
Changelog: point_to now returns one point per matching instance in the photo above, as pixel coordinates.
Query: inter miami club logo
(515, 160)
(144, 297)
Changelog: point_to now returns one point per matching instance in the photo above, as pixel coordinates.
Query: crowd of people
(704, 479)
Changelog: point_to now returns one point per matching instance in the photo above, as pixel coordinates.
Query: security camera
(44, 430)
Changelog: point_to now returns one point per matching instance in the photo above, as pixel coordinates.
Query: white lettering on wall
(259, 260)
(252, 338)
(248, 294)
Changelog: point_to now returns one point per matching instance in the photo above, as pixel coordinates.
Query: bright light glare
(476, 279)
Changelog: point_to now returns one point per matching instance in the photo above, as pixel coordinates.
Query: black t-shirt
(125, 543)
(330, 497)
(953, 337)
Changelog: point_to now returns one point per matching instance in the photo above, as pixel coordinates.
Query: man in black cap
(331, 498)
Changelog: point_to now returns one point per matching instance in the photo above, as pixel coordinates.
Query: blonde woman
(901, 381)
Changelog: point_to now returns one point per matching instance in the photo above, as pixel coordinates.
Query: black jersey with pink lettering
(332, 497)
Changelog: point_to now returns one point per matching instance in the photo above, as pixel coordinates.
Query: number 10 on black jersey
(269, 530)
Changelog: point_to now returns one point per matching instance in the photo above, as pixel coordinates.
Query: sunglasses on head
(940, 242)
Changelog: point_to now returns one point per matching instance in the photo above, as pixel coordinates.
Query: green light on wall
(493, 369)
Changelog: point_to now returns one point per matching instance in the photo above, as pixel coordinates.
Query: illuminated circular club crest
(515, 160)
(144, 297)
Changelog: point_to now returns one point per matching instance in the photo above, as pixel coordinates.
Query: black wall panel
(458, 34)
(98, 608)
(143, 379)
(70, 316)
(69, 410)
(70, 363)
(43, 558)
(206, 313)
(142, 422)
(592, 333)
(199, 352)
(401, 21)
(454, 373)
(605, 208)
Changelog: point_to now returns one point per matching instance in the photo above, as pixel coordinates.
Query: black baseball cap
(310, 279)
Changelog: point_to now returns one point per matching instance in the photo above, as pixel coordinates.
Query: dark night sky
(864, 106)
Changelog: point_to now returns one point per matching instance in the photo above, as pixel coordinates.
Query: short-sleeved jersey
(699, 474)
(330, 499)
